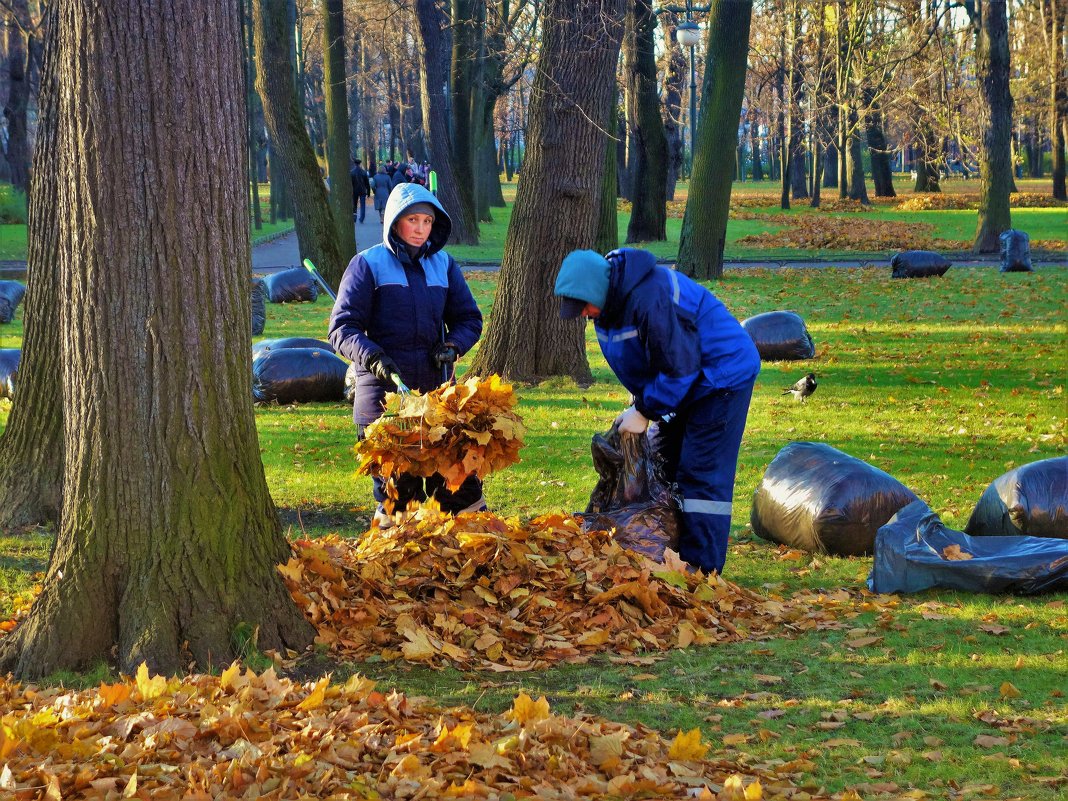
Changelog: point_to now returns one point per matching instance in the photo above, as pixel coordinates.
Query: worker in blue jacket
(688, 363)
(404, 309)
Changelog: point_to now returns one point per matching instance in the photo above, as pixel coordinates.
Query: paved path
(281, 253)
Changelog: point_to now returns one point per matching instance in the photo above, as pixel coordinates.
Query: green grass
(944, 383)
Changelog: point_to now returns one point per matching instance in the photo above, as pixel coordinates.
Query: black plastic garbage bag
(11, 293)
(1029, 500)
(780, 336)
(9, 365)
(915, 551)
(919, 264)
(816, 498)
(1015, 251)
(632, 496)
(288, 343)
(259, 306)
(291, 286)
(298, 375)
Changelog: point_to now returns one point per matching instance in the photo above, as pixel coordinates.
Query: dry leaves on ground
(240, 735)
(481, 592)
(456, 430)
(939, 201)
(818, 232)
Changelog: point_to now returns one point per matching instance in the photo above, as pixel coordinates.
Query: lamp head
(688, 33)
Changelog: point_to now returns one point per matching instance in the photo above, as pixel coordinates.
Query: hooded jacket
(668, 339)
(402, 305)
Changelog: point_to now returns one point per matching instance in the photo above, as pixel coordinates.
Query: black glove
(444, 354)
(382, 367)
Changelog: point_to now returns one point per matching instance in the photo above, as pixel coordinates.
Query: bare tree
(337, 126)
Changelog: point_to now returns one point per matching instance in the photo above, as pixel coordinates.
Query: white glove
(633, 422)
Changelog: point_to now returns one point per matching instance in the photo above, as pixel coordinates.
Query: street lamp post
(688, 34)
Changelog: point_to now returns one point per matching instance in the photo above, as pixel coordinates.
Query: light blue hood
(405, 195)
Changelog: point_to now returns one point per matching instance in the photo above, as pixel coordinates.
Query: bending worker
(688, 363)
(404, 309)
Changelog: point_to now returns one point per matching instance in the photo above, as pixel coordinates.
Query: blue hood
(405, 195)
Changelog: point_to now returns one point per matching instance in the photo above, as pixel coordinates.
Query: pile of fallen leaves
(456, 430)
(242, 735)
(941, 201)
(844, 204)
(482, 592)
(818, 232)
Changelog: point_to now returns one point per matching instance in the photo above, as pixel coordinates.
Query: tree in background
(1054, 18)
(24, 46)
(557, 207)
(704, 226)
(337, 127)
(293, 158)
(168, 539)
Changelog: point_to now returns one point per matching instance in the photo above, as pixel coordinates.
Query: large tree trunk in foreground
(704, 226)
(556, 210)
(337, 126)
(294, 159)
(31, 448)
(995, 164)
(168, 539)
(648, 217)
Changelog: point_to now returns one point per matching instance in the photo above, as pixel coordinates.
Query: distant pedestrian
(400, 175)
(382, 187)
(361, 188)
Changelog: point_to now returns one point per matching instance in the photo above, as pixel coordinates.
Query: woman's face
(414, 229)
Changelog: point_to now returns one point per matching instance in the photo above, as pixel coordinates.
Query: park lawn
(944, 383)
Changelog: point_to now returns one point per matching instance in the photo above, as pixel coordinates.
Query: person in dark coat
(400, 175)
(404, 309)
(689, 365)
(361, 188)
(382, 187)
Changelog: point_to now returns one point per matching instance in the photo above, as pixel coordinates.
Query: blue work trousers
(700, 447)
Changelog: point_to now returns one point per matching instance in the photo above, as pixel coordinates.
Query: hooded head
(583, 279)
(401, 199)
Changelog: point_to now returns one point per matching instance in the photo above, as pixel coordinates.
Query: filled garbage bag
(1015, 251)
(291, 286)
(288, 343)
(259, 306)
(9, 365)
(298, 375)
(11, 293)
(632, 497)
(816, 498)
(919, 264)
(780, 336)
(915, 551)
(1029, 500)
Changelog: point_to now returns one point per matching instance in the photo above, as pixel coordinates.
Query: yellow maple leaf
(316, 697)
(149, 688)
(111, 694)
(687, 746)
(1009, 690)
(418, 648)
(606, 748)
(526, 710)
(458, 737)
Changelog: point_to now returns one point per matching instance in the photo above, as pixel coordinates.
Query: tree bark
(466, 115)
(882, 174)
(168, 539)
(337, 127)
(858, 190)
(704, 226)
(830, 162)
(927, 174)
(796, 136)
(675, 71)
(754, 146)
(432, 78)
(990, 21)
(31, 448)
(294, 161)
(648, 218)
(608, 229)
(18, 78)
(556, 210)
(1054, 16)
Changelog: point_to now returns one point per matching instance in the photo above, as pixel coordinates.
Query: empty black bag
(291, 286)
(816, 498)
(1029, 500)
(11, 293)
(919, 264)
(915, 551)
(1015, 251)
(288, 343)
(298, 375)
(780, 336)
(259, 306)
(632, 497)
(9, 365)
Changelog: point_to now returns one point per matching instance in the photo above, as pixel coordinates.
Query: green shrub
(12, 205)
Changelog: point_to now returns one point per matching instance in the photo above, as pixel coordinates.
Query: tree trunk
(704, 226)
(882, 174)
(466, 115)
(168, 539)
(675, 70)
(1055, 15)
(337, 127)
(783, 119)
(858, 190)
(295, 161)
(624, 164)
(31, 447)
(927, 175)
(648, 217)
(830, 163)
(252, 100)
(18, 79)
(754, 146)
(608, 230)
(796, 137)
(990, 21)
(432, 79)
(556, 210)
